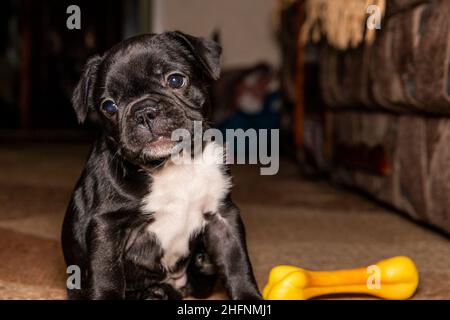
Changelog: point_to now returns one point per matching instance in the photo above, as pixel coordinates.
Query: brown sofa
(390, 104)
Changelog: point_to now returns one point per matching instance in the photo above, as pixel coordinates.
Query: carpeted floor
(289, 221)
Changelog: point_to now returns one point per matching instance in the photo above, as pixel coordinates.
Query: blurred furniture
(389, 105)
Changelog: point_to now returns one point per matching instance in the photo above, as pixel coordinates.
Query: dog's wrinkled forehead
(141, 64)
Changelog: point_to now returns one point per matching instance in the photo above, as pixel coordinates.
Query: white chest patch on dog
(180, 195)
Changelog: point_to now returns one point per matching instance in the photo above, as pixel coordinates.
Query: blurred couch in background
(388, 107)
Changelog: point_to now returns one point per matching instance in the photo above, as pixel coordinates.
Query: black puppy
(140, 226)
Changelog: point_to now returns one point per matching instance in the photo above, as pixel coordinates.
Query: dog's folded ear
(206, 51)
(82, 98)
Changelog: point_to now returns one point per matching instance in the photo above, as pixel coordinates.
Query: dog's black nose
(146, 113)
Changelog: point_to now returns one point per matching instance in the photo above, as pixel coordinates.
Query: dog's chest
(179, 197)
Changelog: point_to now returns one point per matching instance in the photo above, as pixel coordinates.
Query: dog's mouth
(158, 148)
(161, 142)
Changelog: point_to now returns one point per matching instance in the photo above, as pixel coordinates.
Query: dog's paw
(161, 292)
(204, 264)
(248, 296)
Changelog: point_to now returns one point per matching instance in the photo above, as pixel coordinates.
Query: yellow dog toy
(394, 278)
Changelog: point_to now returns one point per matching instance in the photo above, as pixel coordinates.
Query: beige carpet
(289, 221)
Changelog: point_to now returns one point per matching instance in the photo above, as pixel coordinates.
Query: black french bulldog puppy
(140, 226)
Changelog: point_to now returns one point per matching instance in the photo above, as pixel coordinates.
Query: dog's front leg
(106, 279)
(225, 243)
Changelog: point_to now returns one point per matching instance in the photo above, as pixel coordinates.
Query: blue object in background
(268, 118)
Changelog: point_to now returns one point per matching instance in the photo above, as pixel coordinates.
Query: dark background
(41, 59)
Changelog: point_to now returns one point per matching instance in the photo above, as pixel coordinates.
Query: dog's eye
(109, 107)
(176, 80)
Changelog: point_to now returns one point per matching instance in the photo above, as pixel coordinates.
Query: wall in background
(246, 27)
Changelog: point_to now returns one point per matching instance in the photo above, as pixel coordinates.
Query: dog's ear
(206, 51)
(82, 98)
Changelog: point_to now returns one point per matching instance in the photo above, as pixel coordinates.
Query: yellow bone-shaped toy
(398, 279)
